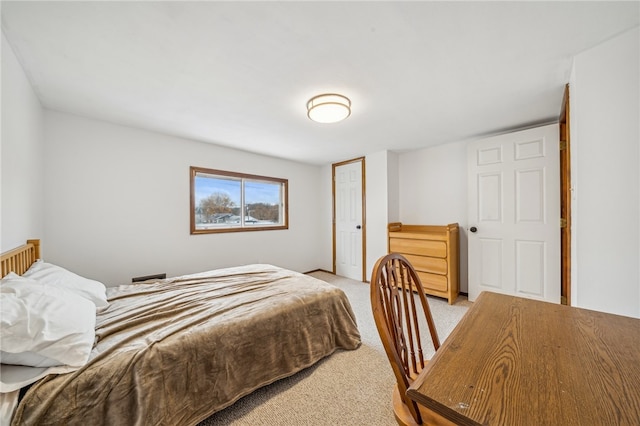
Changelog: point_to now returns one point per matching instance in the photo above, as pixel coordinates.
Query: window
(231, 202)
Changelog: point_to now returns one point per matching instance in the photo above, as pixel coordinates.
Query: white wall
(605, 143)
(393, 186)
(325, 240)
(21, 149)
(117, 204)
(433, 191)
(377, 206)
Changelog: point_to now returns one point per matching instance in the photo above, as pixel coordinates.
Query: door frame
(565, 200)
(364, 216)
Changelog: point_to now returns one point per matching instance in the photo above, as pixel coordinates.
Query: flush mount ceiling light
(328, 108)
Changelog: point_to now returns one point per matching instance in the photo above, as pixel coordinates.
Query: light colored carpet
(346, 388)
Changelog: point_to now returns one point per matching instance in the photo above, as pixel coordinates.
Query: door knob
(358, 227)
(473, 229)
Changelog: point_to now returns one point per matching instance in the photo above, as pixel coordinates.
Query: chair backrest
(400, 319)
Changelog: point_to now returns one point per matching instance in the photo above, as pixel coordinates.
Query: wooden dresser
(433, 252)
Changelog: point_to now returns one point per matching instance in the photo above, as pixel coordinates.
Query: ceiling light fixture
(328, 108)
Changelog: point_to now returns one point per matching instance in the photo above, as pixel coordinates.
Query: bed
(177, 350)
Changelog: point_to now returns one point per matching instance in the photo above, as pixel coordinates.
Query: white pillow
(44, 325)
(28, 358)
(48, 274)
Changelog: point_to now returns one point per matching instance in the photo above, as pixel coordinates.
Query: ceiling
(239, 74)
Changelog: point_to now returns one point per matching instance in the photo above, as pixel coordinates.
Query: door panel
(490, 197)
(530, 194)
(530, 267)
(514, 206)
(490, 263)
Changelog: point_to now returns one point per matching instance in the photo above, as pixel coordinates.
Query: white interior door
(514, 214)
(348, 220)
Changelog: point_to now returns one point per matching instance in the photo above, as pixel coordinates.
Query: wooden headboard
(20, 258)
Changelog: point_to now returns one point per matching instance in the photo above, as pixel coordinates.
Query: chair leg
(404, 418)
(401, 411)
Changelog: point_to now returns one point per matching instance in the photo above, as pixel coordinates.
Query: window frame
(241, 227)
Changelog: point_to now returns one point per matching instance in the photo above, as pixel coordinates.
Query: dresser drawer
(418, 247)
(433, 281)
(434, 265)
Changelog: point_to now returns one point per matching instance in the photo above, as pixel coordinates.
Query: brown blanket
(175, 351)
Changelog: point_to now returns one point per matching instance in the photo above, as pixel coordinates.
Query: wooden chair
(399, 308)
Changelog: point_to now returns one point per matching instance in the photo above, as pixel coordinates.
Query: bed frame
(20, 258)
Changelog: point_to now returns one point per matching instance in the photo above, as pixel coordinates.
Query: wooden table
(515, 361)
